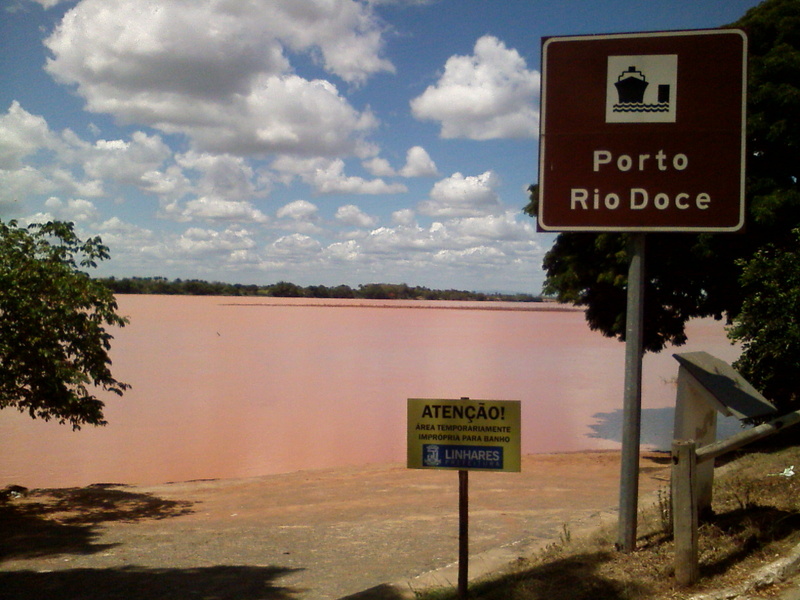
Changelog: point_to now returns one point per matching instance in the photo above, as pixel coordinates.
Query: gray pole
(632, 404)
(463, 533)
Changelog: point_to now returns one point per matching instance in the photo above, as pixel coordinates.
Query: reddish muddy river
(239, 387)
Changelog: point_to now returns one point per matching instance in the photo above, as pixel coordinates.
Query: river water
(236, 387)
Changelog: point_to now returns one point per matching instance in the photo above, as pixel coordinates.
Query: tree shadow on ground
(65, 521)
(736, 536)
(753, 528)
(379, 592)
(219, 583)
(575, 577)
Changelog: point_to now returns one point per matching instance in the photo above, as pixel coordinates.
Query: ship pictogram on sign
(641, 89)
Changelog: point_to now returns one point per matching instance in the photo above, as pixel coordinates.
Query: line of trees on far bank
(285, 289)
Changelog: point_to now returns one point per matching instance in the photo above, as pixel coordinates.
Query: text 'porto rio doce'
(637, 198)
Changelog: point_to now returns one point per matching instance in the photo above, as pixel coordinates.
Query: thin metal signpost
(632, 401)
(463, 533)
(464, 435)
(642, 132)
(463, 530)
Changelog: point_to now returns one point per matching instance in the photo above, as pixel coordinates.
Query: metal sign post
(464, 435)
(642, 132)
(632, 401)
(463, 533)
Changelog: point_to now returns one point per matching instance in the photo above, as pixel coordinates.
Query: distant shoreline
(421, 304)
(285, 289)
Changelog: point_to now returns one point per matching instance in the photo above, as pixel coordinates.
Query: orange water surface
(239, 387)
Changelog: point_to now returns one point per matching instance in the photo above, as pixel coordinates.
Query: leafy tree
(691, 275)
(396, 291)
(318, 291)
(285, 289)
(374, 291)
(343, 291)
(53, 317)
(768, 324)
(698, 275)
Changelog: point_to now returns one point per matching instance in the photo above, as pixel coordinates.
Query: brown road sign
(643, 132)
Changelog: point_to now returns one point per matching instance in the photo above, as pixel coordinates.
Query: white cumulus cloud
(219, 209)
(404, 216)
(490, 94)
(49, 3)
(296, 245)
(222, 175)
(328, 176)
(74, 209)
(21, 134)
(460, 196)
(350, 214)
(419, 164)
(199, 242)
(125, 161)
(300, 210)
(301, 216)
(505, 227)
(332, 180)
(379, 167)
(34, 160)
(218, 72)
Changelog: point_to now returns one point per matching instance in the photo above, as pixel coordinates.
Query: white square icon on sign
(642, 89)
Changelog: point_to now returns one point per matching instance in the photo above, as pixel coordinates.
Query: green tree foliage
(285, 289)
(53, 317)
(372, 291)
(768, 324)
(697, 275)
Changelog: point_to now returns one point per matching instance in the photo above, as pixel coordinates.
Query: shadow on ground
(576, 576)
(65, 521)
(379, 592)
(753, 528)
(727, 541)
(219, 583)
(47, 523)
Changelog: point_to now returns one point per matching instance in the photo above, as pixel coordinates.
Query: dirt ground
(310, 535)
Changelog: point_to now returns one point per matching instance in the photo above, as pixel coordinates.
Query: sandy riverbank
(310, 535)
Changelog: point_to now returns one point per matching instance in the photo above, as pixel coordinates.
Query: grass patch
(755, 520)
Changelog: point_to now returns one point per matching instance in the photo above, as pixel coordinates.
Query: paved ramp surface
(310, 535)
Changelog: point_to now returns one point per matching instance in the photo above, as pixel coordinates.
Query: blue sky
(314, 141)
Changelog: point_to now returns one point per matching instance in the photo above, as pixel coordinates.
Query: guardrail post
(684, 511)
(696, 419)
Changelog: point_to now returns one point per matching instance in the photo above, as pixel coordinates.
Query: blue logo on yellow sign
(462, 457)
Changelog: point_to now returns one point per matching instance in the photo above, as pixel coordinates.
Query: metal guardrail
(685, 458)
(743, 438)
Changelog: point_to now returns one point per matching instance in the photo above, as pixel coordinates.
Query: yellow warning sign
(480, 435)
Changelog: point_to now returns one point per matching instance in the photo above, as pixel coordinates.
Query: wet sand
(311, 535)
